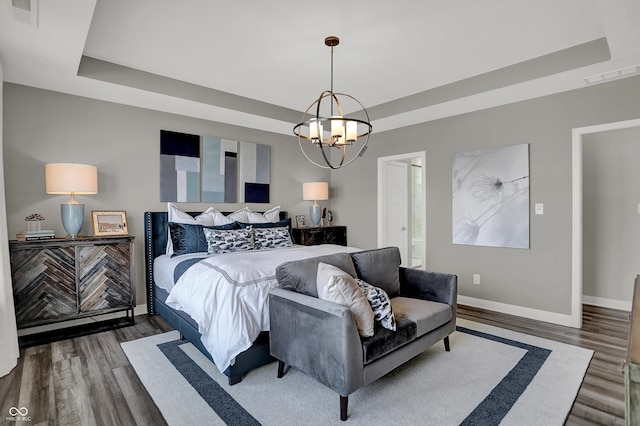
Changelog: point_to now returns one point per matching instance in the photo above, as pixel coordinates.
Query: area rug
(491, 376)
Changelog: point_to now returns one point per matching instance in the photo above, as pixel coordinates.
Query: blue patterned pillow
(221, 241)
(380, 304)
(189, 238)
(267, 238)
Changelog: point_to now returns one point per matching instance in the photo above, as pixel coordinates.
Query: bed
(229, 345)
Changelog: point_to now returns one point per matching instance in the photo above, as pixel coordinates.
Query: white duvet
(227, 296)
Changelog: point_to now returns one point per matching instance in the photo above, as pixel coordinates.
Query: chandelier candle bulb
(315, 130)
(352, 131)
(337, 129)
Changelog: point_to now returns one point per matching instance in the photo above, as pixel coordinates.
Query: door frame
(577, 195)
(422, 201)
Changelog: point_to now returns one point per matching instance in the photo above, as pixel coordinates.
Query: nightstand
(63, 279)
(314, 235)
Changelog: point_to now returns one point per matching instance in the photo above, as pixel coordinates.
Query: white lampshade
(71, 178)
(313, 191)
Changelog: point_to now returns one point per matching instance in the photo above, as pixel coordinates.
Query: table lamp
(314, 191)
(71, 178)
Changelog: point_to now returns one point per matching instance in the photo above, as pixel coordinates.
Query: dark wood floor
(89, 381)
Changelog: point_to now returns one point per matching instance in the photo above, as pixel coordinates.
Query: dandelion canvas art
(490, 192)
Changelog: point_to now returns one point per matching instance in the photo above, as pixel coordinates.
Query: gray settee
(320, 337)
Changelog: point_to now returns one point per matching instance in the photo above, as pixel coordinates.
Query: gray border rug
(491, 376)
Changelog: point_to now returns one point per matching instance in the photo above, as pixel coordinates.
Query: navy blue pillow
(188, 238)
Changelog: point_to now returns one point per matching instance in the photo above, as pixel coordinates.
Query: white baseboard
(521, 311)
(140, 309)
(621, 305)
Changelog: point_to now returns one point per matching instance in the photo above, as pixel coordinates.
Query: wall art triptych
(490, 192)
(213, 169)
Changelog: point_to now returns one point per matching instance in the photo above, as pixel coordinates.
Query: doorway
(402, 206)
(577, 212)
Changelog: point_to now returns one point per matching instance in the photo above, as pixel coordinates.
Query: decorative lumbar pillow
(267, 238)
(337, 286)
(279, 224)
(175, 215)
(380, 304)
(227, 241)
(187, 238)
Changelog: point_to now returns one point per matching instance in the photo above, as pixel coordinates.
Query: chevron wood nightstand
(66, 279)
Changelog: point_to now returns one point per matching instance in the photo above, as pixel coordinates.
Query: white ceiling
(407, 62)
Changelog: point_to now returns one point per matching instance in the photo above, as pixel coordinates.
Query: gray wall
(611, 221)
(42, 126)
(538, 278)
(124, 143)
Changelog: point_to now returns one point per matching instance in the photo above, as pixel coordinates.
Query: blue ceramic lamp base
(315, 212)
(72, 218)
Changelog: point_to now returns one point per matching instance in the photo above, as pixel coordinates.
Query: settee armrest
(317, 337)
(434, 286)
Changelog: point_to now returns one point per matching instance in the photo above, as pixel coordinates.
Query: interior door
(395, 208)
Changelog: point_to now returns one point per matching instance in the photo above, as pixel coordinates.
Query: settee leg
(344, 404)
(280, 369)
(446, 344)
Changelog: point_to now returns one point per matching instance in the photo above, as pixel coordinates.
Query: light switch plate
(539, 208)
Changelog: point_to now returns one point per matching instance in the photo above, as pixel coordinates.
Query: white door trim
(423, 200)
(576, 229)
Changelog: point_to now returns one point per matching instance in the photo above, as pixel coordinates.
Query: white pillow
(337, 286)
(174, 214)
(271, 215)
(237, 216)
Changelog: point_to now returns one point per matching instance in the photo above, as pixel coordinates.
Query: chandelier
(324, 126)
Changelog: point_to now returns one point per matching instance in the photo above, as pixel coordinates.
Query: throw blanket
(227, 295)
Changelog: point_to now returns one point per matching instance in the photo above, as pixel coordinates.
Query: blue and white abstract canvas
(214, 170)
(219, 170)
(254, 173)
(490, 192)
(179, 167)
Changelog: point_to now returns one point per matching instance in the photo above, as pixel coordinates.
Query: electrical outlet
(476, 278)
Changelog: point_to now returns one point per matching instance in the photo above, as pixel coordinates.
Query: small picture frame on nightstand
(300, 221)
(110, 222)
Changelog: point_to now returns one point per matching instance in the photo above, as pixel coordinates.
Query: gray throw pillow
(380, 268)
